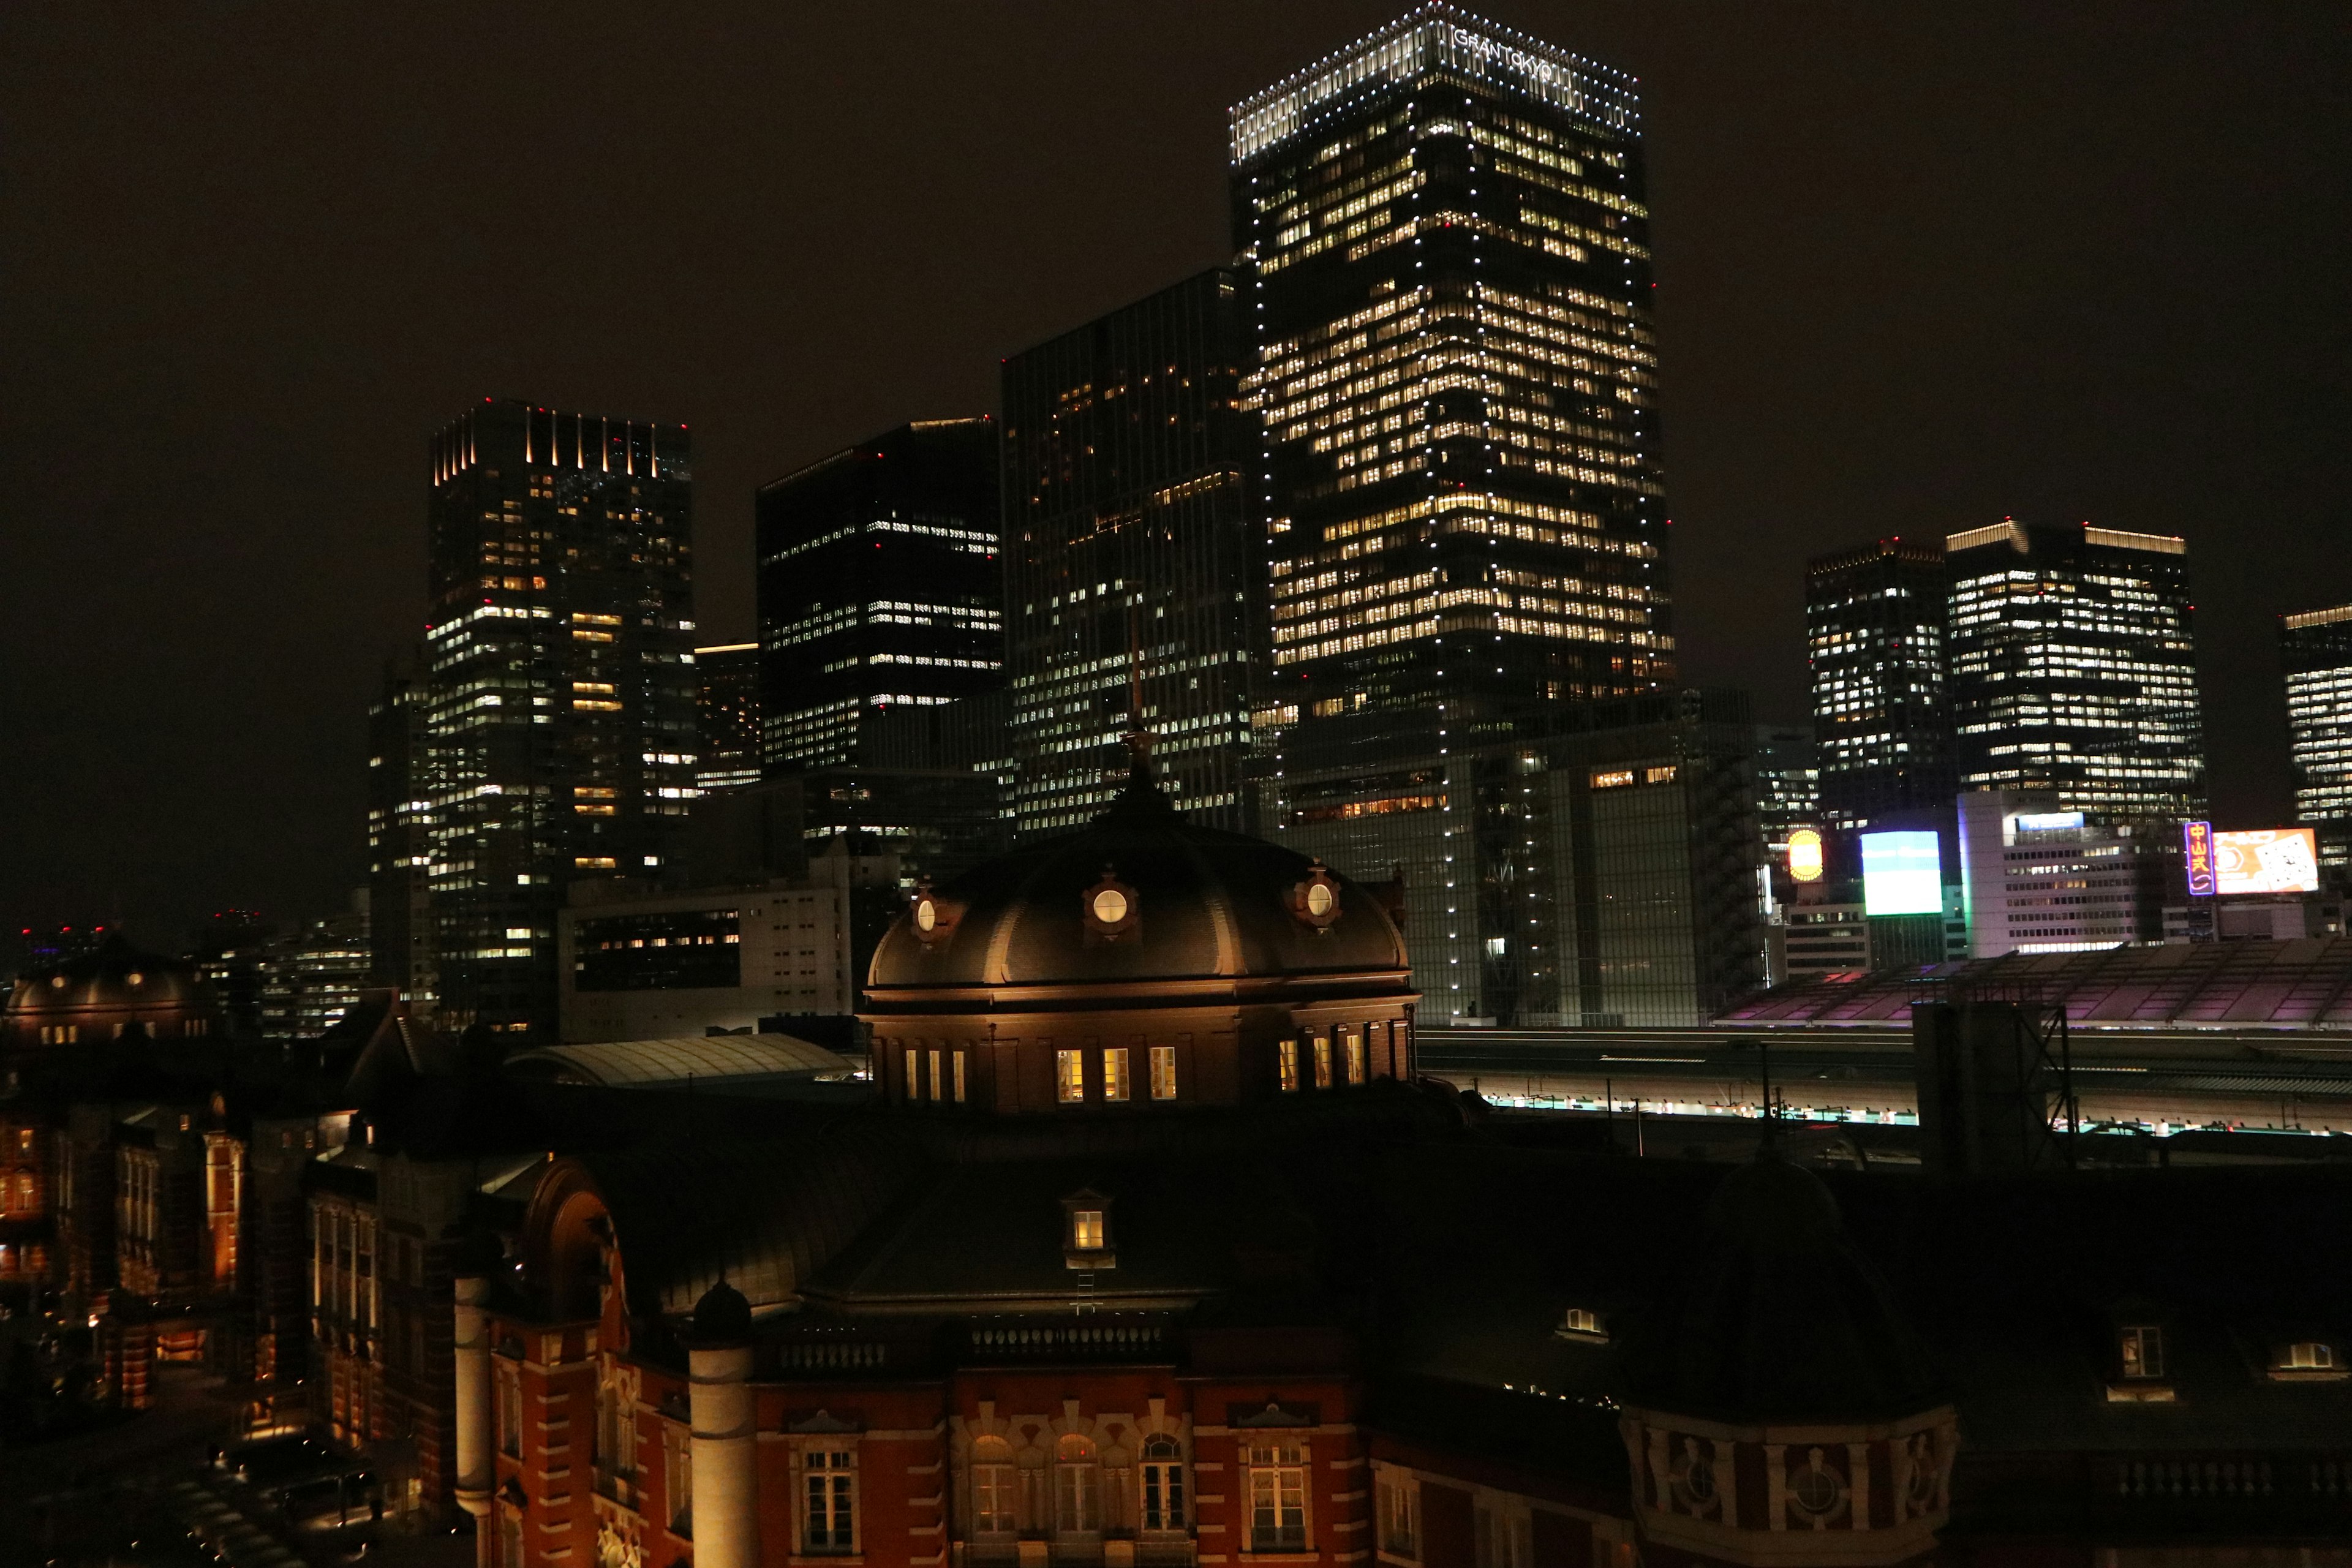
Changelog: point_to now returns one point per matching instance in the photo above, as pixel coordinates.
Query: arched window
(1163, 1484)
(1076, 1486)
(993, 1487)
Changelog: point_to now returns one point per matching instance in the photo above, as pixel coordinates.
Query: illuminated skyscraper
(2316, 650)
(2073, 668)
(880, 587)
(1457, 373)
(1131, 555)
(1447, 233)
(730, 676)
(559, 729)
(1874, 638)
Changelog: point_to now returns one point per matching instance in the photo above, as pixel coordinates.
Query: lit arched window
(1163, 1484)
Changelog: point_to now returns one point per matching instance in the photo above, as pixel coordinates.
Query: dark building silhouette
(880, 587)
(1133, 555)
(2074, 668)
(1874, 638)
(560, 735)
(730, 709)
(1457, 375)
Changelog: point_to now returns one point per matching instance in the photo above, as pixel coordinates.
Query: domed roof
(116, 979)
(1139, 895)
(1785, 1320)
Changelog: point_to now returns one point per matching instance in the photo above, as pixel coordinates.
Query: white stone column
(725, 1450)
(477, 1469)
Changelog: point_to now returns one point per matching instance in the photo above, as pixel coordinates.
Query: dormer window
(2308, 1360)
(1582, 1323)
(1086, 1231)
(2140, 1358)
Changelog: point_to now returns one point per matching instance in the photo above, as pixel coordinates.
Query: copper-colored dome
(95, 996)
(1139, 895)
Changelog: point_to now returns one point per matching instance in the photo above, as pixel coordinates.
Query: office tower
(1874, 638)
(2073, 668)
(229, 951)
(560, 733)
(313, 977)
(1788, 783)
(2039, 876)
(1596, 868)
(400, 841)
(1457, 375)
(2315, 652)
(730, 711)
(1132, 556)
(880, 587)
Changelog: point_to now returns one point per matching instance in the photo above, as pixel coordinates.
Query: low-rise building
(656, 965)
(2036, 878)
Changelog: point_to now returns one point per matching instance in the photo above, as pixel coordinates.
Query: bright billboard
(1902, 874)
(2197, 855)
(1805, 855)
(2266, 861)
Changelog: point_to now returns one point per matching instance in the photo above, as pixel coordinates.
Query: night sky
(1920, 267)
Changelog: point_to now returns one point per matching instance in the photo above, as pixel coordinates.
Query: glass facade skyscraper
(1471, 664)
(1875, 639)
(560, 734)
(2315, 652)
(2073, 668)
(878, 586)
(1131, 551)
(1447, 228)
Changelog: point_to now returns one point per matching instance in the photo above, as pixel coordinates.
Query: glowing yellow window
(1115, 1073)
(1070, 1076)
(1163, 1072)
(1288, 1051)
(1322, 1061)
(1087, 1229)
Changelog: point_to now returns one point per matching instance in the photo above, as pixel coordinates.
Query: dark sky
(1919, 266)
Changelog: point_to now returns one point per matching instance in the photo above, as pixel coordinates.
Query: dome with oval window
(1141, 958)
(117, 992)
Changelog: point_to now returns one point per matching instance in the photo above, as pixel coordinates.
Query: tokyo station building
(1150, 1248)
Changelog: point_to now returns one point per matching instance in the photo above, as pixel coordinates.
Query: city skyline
(251, 680)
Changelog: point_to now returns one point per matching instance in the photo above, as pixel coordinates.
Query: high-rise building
(730, 673)
(2316, 651)
(1596, 868)
(2073, 668)
(1874, 638)
(1456, 371)
(560, 733)
(401, 930)
(313, 977)
(1131, 557)
(878, 586)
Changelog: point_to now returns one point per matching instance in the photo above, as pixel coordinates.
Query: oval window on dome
(56, 981)
(1110, 906)
(1320, 898)
(927, 915)
(136, 978)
